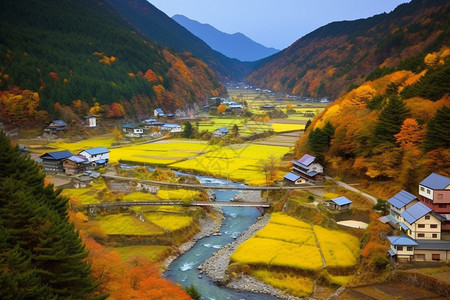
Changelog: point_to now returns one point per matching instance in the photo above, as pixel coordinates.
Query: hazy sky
(274, 23)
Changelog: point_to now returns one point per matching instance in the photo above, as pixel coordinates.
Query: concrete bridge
(175, 203)
(216, 188)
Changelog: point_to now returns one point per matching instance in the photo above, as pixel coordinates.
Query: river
(184, 269)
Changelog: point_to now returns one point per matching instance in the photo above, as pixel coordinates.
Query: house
(402, 248)
(52, 161)
(96, 156)
(434, 192)
(397, 205)
(75, 164)
(132, 129)
(149, 121)
(170, 116)
(307, 168)
(339, 203)
(420, 222)
(171, 127)
(267, 107)
(56, 126)
(220, 132)
(85, 179)
(91, 121)
(293, 178)
(405, 249)
(158, 112)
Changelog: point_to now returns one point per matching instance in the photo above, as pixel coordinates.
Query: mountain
(160, 28)
(68, 50)
(329, 60)
(234, 45)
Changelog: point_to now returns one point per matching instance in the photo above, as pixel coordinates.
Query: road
(349, 187)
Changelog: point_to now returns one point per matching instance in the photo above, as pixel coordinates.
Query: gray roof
(433, 245)
(57, 155)
(436, 182)
(401, 199)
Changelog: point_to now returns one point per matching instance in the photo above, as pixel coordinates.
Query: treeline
(378, 132)
(83, 50)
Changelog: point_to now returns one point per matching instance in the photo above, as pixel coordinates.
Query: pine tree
(438, 130)
(319, 140)
(307, 124)
(390, 121)
(40, 249)
(188, 131)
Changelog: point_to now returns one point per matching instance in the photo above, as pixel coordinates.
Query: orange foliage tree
(410, 134)
(116, 110)
(221, 108)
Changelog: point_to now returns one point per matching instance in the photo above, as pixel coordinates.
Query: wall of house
(425, 192)
(95, 157)
(53, 166)
(427, 231)
(316, 167)
(419, 255)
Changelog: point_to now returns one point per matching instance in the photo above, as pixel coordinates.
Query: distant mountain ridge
(235, 45)
(160, 28)
(337, 56)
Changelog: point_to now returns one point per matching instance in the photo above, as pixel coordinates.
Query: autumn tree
(221, 108)
(116, 110)
(270, 167)
(390, 121)
(235, 130)
(410, 134)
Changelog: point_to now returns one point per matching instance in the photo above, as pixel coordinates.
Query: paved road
(348, 187)
(177, 202)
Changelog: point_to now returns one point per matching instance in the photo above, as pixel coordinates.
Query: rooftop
(307, 159)
(401, 241)
(436, 181)
(341, 201)
(292, 176)
(56, 155)
(433, 245)
(98, 150)
(415, 212)
(401, 199)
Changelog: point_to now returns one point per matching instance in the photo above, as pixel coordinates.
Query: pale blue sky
(274, 23)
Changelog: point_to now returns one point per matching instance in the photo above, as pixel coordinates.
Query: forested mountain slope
(339, 55)
(162, 29)
(82, 52)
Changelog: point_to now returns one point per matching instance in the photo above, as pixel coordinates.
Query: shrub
(380, 262)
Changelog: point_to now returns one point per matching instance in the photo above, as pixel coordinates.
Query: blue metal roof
(59, 123)
(292, 176)
(341, 201)
(401, 199)
(56, 155)
(415, 212)
(77, 158)
(168, 125)
(98, 150)
(392, 219)
(391, 252)
(223, 130)
(401, 241)
(436, 181)
(403, 226)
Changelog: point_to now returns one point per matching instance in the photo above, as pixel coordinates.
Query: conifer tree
(438, 130)
(390, 121)
(41, 253)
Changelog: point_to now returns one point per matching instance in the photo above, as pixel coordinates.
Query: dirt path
(348, 187)
(324, 264)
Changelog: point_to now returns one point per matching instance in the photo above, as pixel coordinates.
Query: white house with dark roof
(434, 192)
(52, 161)
(91, 121)
(220, 132)
(96, 156)
(405, 249)
(158, 112)
(171, 127)
(306, 169)
(421, 222)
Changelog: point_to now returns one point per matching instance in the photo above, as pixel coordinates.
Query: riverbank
(215, 267)
(209, 225)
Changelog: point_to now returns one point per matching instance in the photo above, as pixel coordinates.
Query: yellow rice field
(128, 225)
(179, 194)
(295, 285)
(85, 144)
(281, 127)
(240, 162)
(169, 222)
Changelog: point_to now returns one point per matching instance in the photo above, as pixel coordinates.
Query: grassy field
(154, 253)
(128, 225)
(169, 222)
(282, 127)
(295, 285)
(86, 144)
(245, 126)
(239, 162)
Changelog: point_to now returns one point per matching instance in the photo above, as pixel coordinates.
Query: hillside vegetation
(79, 53)
(339, 55)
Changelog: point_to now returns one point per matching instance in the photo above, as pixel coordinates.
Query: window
(440, 196)
(422, 188)
(409, 248)
(434, 235)
(428, 191)
(421, 225)
(421, 235)
(399, 248)
(442, 205)
(433, 226)
(435, 256)
(427, 217)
